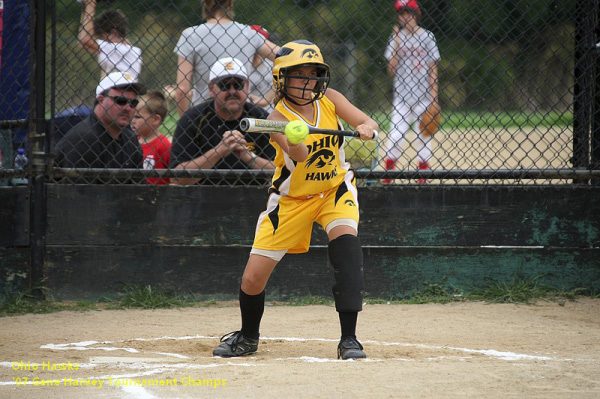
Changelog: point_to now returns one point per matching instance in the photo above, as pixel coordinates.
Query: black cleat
(235, 344)
(350, 348)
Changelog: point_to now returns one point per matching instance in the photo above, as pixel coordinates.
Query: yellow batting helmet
(296, 54)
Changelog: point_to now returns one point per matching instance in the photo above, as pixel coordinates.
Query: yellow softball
(296, 132)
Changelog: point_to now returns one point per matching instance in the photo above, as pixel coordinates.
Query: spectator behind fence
(412, 55)
(150, 114)
(208, 137)
(262, 91)
(104, 139)
(199, 47)
(105, 38)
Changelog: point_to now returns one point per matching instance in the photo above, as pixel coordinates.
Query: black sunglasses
(237, 84)
(123, 101)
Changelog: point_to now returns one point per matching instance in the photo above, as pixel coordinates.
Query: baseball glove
(430, 120)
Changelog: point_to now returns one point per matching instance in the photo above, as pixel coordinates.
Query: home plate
(116, 359)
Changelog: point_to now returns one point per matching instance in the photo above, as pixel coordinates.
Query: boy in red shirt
(150, 114)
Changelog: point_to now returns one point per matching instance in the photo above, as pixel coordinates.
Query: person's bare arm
(205, 161)
(183, 91)
(233, 141)
(268, 50)
(360, 121)
(264, 101)
(392, 66)
(433, 82)
(86, 29)
(253, 161)
(298, 152)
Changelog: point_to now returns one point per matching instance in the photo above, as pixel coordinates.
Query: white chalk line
(502, 355)
(157, 367)
(144, 369)
(487, 352)
(171, 366)
(310, 359)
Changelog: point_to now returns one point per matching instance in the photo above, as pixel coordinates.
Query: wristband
(253, 158)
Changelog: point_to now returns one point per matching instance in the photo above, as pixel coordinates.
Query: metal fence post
(584, 64)
(596, 103)
(37, 137)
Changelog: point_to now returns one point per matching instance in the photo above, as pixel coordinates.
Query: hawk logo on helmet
(228, 66)
(300, 53)
(322, 158)
(309, 53)
(349, 202)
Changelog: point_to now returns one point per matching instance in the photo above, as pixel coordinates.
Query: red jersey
(157, 155)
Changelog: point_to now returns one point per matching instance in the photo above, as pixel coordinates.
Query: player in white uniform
(412, 55)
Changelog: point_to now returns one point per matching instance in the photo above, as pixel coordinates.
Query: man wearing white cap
(208, 135)
(104, 139)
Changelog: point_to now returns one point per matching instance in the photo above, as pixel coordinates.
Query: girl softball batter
(312, 183)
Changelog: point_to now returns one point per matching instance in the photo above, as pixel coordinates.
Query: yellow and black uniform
(321, 189)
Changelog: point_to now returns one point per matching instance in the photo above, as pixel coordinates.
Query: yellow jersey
(326, 164)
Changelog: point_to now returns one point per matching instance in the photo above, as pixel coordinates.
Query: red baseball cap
(407, 5)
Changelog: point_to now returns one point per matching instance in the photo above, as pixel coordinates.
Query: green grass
(26, 301)
(132, 296)
(479, 120)
(523, 290)
(146, 297)
(486, 120)
(436, 293)
(170, 123)
(439, 292)
(22, 303)
(519, 290)
(309, 300)
(454, 120)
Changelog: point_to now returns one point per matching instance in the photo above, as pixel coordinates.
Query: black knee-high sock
(252, 308)
(348, 323)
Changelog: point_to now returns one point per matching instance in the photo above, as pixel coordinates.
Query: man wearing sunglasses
(208, 135)
(104, 139)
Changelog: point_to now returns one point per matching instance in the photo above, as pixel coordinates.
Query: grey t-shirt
(205, 44)
(261, 81)
(416, 52)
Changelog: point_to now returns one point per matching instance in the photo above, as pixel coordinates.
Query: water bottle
(20, 163)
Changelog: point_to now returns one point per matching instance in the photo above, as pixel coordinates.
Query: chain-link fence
(515, 84)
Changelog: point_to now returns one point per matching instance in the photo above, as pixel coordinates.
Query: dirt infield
(477, 149)
(421, 351)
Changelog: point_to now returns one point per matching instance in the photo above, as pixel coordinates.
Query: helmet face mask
(318, 90)
(289, 59)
